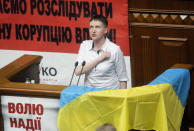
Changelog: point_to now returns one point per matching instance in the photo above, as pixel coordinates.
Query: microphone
(98, 52)
(83, 64)
(76, 64)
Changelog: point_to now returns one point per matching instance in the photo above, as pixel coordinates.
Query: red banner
(59, 25)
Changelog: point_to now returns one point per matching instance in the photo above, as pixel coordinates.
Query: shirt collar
(104, 46)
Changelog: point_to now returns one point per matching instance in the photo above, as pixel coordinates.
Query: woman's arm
(92, 64)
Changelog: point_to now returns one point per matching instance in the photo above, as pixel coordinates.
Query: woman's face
(97, 30)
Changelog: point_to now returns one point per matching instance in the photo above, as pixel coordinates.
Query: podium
(12, 79)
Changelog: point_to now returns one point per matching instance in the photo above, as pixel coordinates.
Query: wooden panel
(163, 4)
(31, 72)
(143, 58)
(1, 118)
(166, 46)
(171, 51)
(19, 65)
(148, 49)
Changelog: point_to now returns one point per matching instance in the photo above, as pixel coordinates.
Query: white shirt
(109, 72)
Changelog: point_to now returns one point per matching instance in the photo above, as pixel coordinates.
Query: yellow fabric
(147, 107)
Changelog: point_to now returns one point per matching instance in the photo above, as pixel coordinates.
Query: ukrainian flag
(158, 106)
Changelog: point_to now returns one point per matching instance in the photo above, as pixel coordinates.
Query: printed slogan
(57, 25)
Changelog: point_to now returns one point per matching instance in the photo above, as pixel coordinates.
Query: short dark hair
(100, 18)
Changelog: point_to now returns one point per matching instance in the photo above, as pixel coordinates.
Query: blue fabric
(179, 79)
(72, 92)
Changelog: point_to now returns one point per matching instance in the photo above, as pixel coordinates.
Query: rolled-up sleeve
(120, 65)
(81, 54)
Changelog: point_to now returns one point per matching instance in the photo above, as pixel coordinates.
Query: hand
(105, 55)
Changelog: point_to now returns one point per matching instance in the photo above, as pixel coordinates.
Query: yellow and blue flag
(158, 105)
